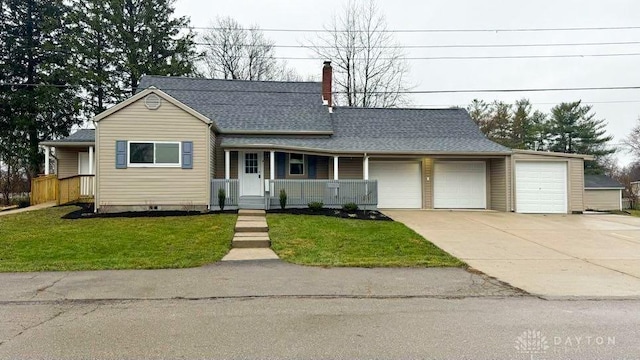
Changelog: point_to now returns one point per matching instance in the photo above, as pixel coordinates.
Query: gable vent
(152, 101)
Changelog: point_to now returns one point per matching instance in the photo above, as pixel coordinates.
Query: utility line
(445, 91)
(597, 28)
(450, 46)
(467, 57)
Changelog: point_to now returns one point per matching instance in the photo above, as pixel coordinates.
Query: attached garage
(460, 185)
(399, 184)
(541, 187)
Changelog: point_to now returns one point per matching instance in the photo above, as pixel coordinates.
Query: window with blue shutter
(280, 165)
(312, 160)
(187, 154)
(121, 154)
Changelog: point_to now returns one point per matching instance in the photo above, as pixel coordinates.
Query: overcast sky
(620, 108)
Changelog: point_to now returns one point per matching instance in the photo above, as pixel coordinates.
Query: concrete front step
(252, 226)
(250, 254)
(250, 242)
(250, 218)
(250, 234)
(249, 212)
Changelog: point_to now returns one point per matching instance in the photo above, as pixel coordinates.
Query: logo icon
(532, 342)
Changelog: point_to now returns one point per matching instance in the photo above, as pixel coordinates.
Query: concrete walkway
(266, 278)
(28, 208)
(251, 239)
(593, 256)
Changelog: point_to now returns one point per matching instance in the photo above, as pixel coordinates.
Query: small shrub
(222, 198)
(283, 199)
(21, 201)
(316, 205)
(350, 207)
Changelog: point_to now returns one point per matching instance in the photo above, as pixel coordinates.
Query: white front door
(250, 170)
(83, 164)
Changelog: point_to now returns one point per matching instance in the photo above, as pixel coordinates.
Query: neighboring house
(178, 141)
(601, 192)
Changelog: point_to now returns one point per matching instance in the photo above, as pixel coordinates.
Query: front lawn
(42, 240)
(330, 241)
(634, 212)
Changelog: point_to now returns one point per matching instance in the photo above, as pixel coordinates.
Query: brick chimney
(327, 76)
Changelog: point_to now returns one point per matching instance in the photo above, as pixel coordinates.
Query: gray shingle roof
(389, 130)
(82, 135)
(601, 181)
(236, 105)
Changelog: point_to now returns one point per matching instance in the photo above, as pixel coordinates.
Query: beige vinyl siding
(576, 185)
(152, 185)
(348, 168)
(602, 199)
(427, 183)
(498, 185)
(68, 161)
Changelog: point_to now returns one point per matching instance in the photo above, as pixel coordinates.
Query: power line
(566, 56)
(598, 28)
(445, 91)
(452, 46)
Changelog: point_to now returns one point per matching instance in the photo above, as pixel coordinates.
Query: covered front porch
(69, 170)
(257, 178)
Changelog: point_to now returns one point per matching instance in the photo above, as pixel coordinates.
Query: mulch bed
(360, 214)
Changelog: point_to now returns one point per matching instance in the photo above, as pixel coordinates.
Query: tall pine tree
(40, 97)
(150, 41)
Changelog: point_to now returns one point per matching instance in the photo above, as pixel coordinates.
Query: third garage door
(460, 185)
(541, 187)
(399, 184)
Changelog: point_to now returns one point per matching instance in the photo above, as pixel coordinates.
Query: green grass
(634, 212)
(42, 240)
(329, 241)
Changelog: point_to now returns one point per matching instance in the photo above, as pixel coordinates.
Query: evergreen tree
(149, 41)
(573, 128)
(95, 56)
(38, 94)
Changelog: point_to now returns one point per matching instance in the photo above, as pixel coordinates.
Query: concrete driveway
(548, 255)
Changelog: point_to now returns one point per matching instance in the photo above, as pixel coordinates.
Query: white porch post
(227, 164)
(91, 171)
(272, 165)
(46, 160)
(365, 167)
(335, 168)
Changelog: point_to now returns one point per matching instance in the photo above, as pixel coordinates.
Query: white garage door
(541, 187)
(460, 185)
(399, 184)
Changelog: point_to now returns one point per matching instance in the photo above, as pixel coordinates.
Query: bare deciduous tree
(369, 67)
(633, 141)
(233, 52)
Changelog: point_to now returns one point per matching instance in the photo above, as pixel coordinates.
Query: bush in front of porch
(331, 241)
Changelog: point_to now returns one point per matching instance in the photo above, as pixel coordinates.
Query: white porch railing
(333, 193)
(87, 185)
(231, 191)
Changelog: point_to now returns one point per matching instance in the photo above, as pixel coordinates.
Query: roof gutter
(358, 152)
(68, 143)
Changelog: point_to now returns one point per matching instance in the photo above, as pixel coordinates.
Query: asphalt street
(329, 328)
(272, 309)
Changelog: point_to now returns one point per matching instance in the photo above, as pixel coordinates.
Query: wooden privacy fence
(62, 191)
(44, 189)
